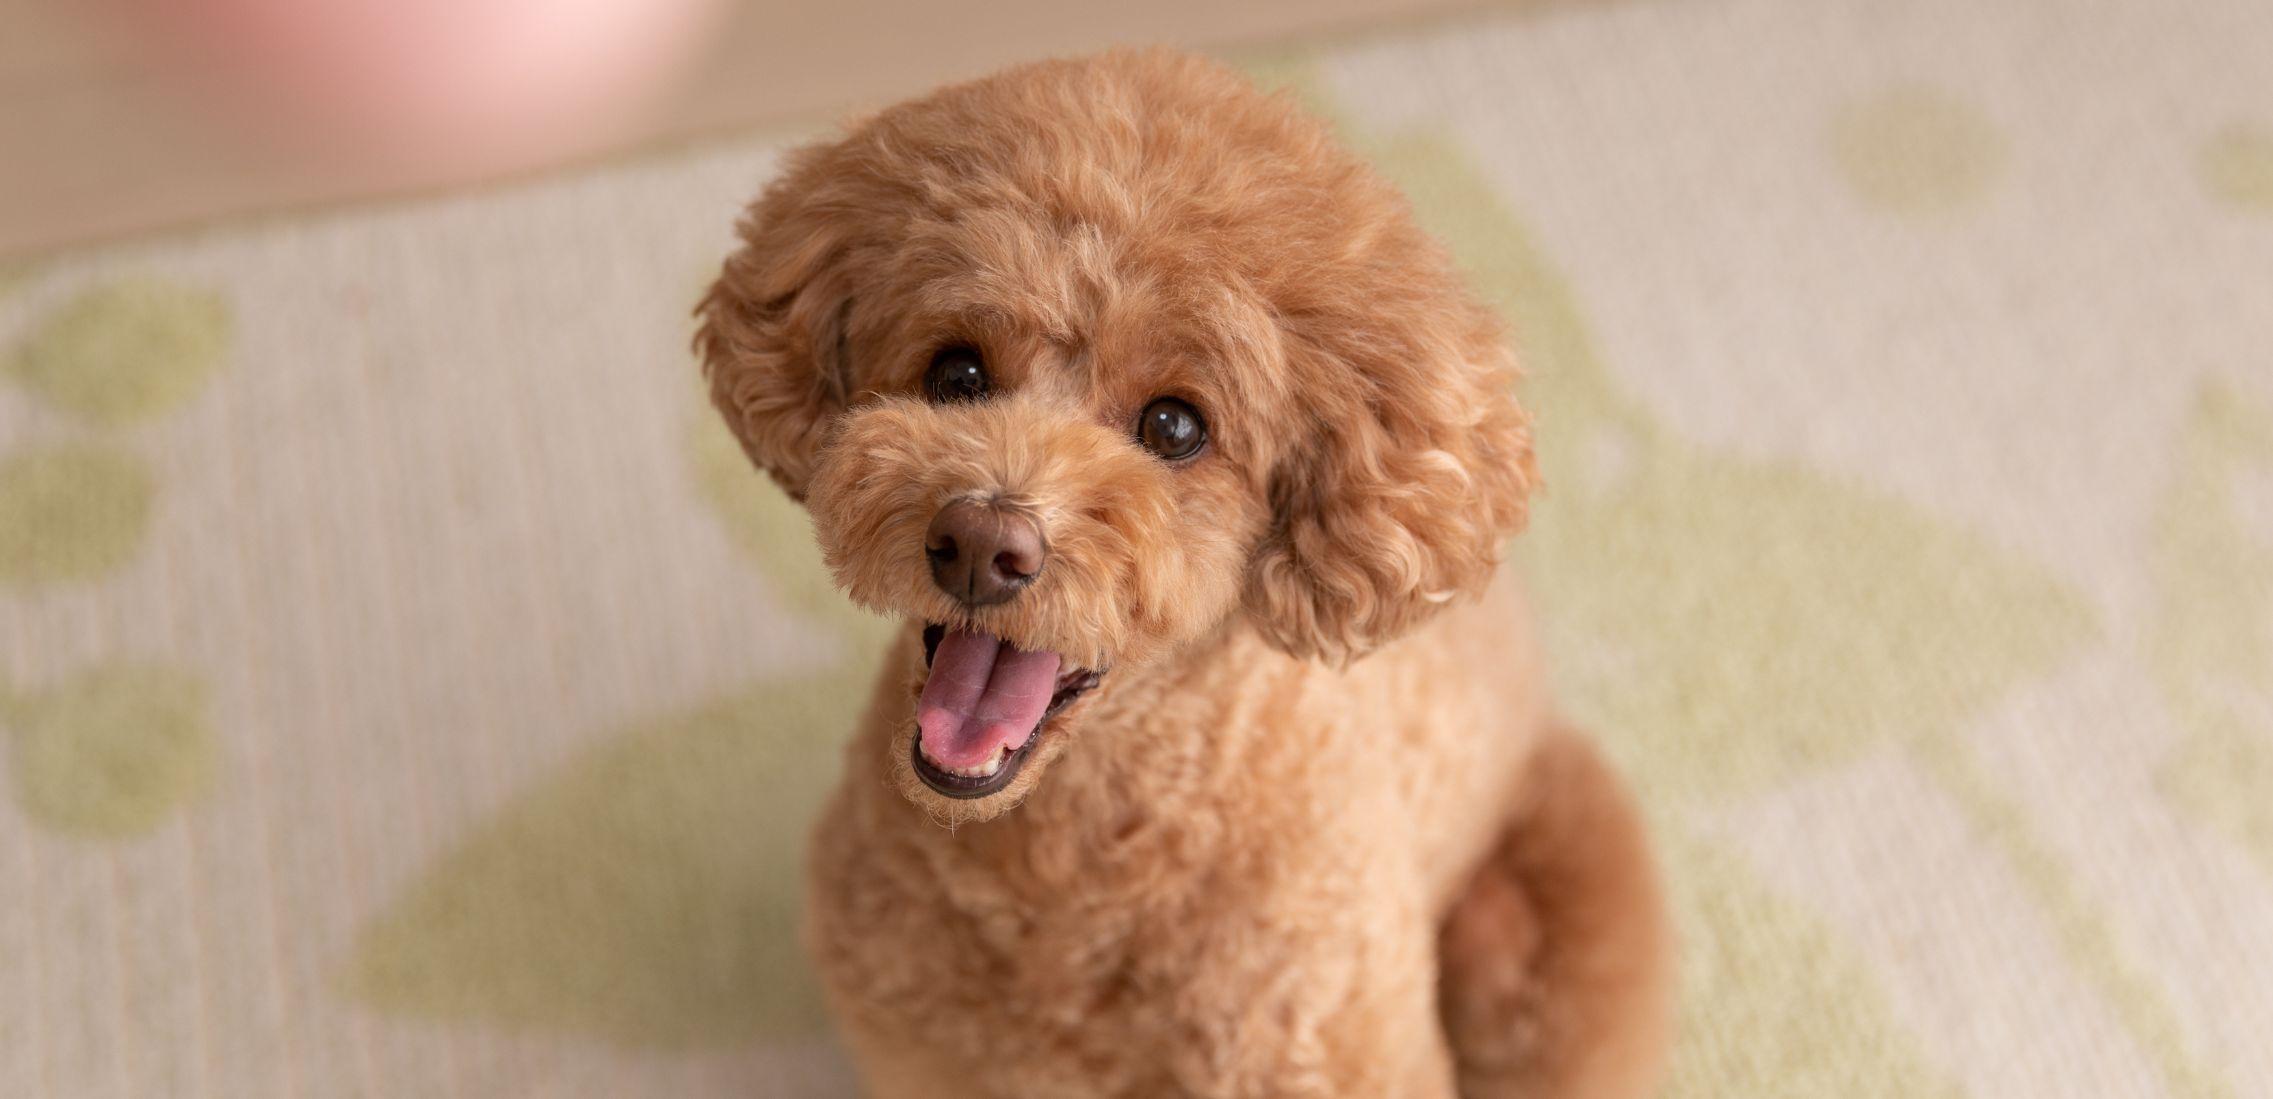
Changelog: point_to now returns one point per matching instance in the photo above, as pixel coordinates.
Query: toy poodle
(1210, 761)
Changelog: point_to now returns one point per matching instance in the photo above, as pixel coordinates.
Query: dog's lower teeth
(983, 770)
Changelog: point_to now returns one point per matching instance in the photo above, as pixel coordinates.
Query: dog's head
(1089, 361)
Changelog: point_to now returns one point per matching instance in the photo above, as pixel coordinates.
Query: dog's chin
(990, 757)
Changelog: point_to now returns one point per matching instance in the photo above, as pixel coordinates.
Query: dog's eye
(957, 374)
(1171, 428)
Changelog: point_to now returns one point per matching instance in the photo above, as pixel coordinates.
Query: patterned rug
(406, 690)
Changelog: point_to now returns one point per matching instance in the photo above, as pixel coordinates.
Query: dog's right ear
(772, 333)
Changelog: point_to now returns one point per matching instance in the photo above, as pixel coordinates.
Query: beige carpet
(406, 692)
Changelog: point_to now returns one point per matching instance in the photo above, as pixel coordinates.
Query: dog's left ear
(1418, 469)
(772, 333)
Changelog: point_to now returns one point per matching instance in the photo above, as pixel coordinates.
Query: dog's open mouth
(983, 708)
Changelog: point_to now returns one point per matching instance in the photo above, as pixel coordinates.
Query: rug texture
(406, 689)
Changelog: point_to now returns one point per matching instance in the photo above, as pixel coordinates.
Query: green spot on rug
(2212, 643)
(2237, 167)
(648, 894)
(125, 351)
(110, 752)
(1774, 1003)
(1916, 150)
(71, 512)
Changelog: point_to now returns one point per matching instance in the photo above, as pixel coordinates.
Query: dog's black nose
(981, 554)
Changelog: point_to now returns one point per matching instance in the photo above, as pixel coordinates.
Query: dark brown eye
(957, 374)
(1171, 428)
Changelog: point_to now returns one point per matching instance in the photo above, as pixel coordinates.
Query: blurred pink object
(433, 88)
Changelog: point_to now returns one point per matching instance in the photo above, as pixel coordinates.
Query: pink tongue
(982, 695)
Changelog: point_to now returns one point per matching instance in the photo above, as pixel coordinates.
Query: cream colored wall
(92, 145)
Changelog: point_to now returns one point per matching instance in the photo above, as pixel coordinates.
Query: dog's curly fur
(1250, 863)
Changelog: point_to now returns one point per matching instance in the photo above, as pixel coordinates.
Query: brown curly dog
(1151, 412)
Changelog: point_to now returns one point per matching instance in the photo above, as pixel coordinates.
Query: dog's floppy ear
(1417, 468)
(773, 328)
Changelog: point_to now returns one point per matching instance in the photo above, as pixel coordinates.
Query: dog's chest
(1044, 969)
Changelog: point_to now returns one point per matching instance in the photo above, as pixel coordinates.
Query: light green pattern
(1778, 1006)
(2080, 929)
(125, 351)
(650, 892)
(116, 749)
(2237, 168)
(110, 752)
(1916, 151)
(2212, 642)
(71, 512)
(647, 894)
